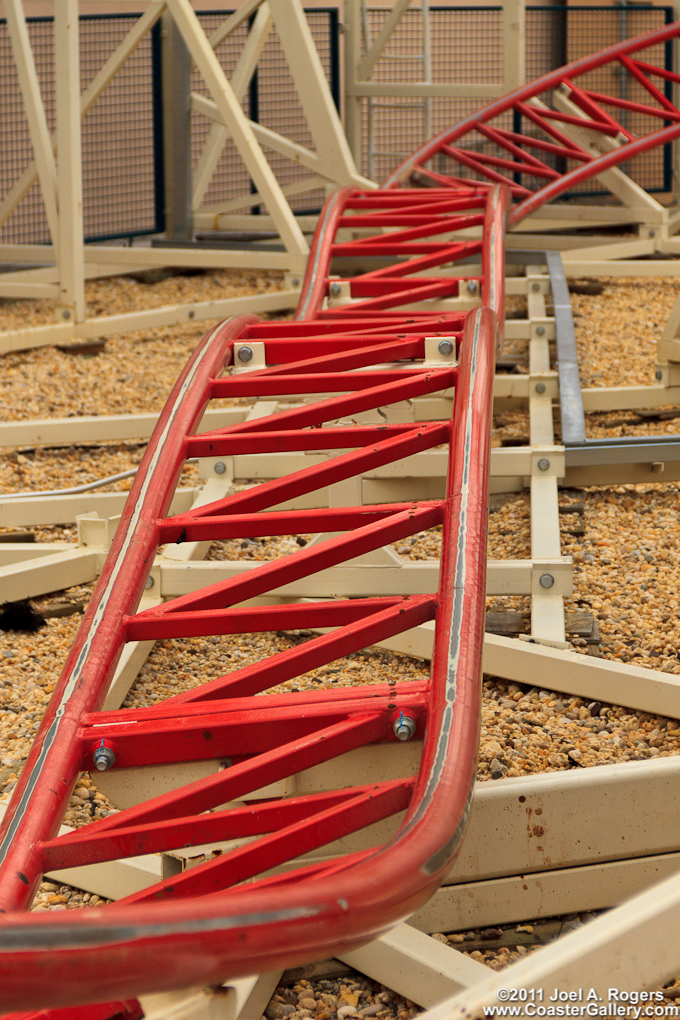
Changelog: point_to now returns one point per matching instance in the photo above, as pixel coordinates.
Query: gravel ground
(617, 331)
(630, 585)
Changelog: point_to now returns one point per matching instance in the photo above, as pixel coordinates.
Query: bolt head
(103, 758)
(535, 287)
(295, 282)
(336, 289)
(540, 387)
(65, 314)
(540, 331)
(652, 233)
(191, 313)
(543, 464)
(245, 354)
(404, 727)
(546, 580)
(658, 375)
(149, 583)
(220, 467)
(445, 347)
(472, 287)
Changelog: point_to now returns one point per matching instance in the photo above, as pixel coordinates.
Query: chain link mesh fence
(122, 186)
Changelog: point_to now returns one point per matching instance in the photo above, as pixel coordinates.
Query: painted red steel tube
(204, 921)
(532, 181)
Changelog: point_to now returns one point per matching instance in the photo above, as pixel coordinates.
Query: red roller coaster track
(209, 924)
(220, 920)
(499, 142)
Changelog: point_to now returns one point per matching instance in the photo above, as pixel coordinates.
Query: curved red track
(489, 148)
(370, 353)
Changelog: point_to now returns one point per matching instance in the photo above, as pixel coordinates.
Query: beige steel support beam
(35, 115)
(47, 573)
(626, 267)
(168, 315)
(416, 966)
(504, 577)
(70, 259)
(244, 999)
(87, 100)
(97, 429)
(353, 102)
(100, 428)
(618, 182)
(364, 69)
(620, 398)
(547, 602)
(632, 947)
(218, 135)
(514, 44)
(647, 690)
(236, 121)
(313, 92)
(64, 510)
(494, 901)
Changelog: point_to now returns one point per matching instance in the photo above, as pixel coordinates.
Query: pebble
(627, 570)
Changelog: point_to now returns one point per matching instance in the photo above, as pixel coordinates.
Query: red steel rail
(524, 141)
(220, 920)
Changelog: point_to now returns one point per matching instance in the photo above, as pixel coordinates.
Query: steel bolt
(543, 464)
(472, 287)
(191, 313)
(536, 286)
(652, 233)
(540, 331)
(103, 757)
(336, 289)
(149, 583)
(658, 375)
(546, 580)
(295, 282)
(220, 467)
(445, 347)
(66, 314)
(245, 353)
(540, 387)
(404, 727)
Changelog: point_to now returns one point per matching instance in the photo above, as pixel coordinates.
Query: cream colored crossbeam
(87, 99)
(237, 124)
(35, 113)
(218, 135)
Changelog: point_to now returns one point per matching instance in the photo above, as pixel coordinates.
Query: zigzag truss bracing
(223, 919)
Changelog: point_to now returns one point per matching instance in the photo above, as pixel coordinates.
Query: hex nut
(445, 347)
(546, 580)
(245, 354)
(543, 464)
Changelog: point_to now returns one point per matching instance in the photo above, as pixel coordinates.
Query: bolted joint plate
(216, 467)
(543, 328)
(436, 351)
(544, 384)
(560, 569)
(555, 458)
(253, 363)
